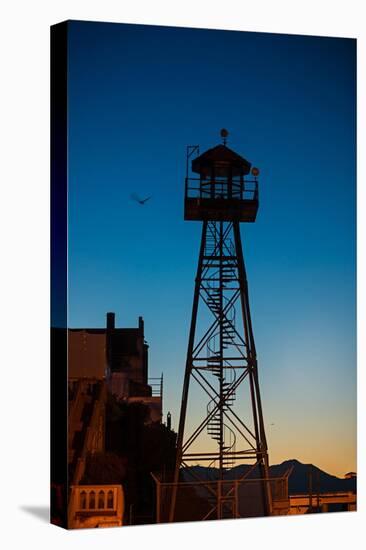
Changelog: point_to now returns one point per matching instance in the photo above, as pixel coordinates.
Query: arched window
(110, 499)
(82, 500)
(101, 497)
(92, 499)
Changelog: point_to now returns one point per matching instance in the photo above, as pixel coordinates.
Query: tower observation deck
(222, 188)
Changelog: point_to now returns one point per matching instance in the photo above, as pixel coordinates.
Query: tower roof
(221, 155)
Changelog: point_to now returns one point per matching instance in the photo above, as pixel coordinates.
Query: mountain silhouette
(298, 482)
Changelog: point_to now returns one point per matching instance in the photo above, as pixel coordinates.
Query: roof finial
(224, 133)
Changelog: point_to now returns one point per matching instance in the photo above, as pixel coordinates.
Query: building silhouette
(101, 362)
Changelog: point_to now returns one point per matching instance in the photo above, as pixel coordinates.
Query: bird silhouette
(138, 199)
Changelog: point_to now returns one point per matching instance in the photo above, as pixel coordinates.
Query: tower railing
(219, 188)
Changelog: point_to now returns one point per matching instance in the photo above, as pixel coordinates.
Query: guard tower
(221, 190)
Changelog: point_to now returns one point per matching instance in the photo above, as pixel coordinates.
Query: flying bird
(138, 199)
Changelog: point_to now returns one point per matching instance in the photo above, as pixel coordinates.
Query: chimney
(141, 326)
(110, 320)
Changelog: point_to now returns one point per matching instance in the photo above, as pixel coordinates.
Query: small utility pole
(310, 486)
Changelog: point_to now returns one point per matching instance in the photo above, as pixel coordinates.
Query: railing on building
(156, 385)
(153, 400)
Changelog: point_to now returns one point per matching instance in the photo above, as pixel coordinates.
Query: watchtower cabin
(224, 189)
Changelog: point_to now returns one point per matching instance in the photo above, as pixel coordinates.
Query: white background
(24, 273)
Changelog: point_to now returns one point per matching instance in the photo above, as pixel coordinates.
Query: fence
(205, 500)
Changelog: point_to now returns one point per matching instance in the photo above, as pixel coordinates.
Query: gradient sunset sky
(137, 96)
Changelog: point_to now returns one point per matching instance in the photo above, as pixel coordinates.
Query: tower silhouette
(221, 190)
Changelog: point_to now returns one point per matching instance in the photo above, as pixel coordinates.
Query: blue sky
(137, 96)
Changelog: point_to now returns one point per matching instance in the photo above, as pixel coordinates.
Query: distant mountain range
(298, 480)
